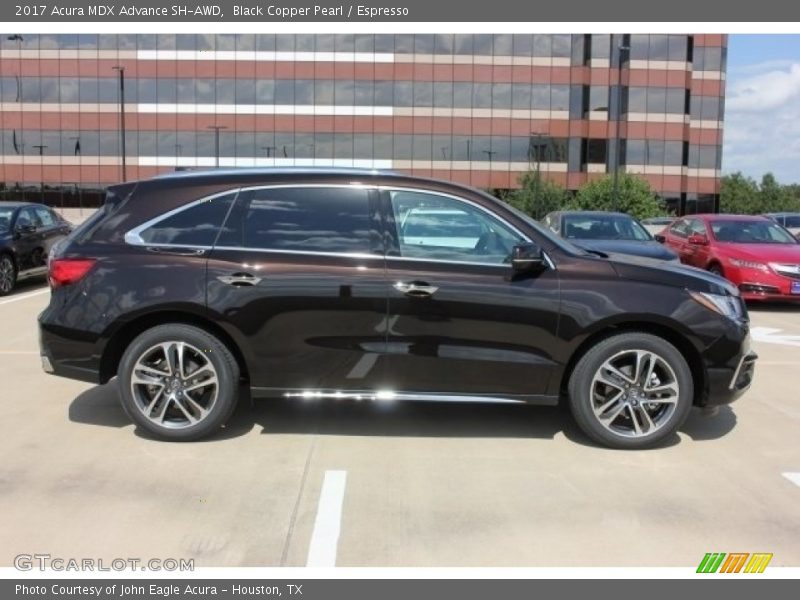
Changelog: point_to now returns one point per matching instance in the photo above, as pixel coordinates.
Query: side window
(697, 227)
(26, 218)
(45, 216)
(310, 219)
(434, 227)
(680, 228)
(196, 225)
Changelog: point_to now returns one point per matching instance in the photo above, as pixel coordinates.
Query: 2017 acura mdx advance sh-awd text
(373, 285)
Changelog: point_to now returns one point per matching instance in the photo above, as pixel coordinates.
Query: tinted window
(436, 227)
(26, 218)
(302, 219)
(5, 218)
(603, 227)
(45, 216)
(194, 226)
(792, 221)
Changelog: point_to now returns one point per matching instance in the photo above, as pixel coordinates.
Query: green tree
(775, 197)
(635, 197)
(739, 195)
(536, 196)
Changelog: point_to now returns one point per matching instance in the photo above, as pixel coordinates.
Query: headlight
(727, 306)
(749, 264)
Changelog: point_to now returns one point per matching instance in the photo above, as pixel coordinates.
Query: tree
(739, 195)
(635, 197)
(537, 196)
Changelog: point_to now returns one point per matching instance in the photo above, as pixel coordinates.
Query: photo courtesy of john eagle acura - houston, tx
(358, 284)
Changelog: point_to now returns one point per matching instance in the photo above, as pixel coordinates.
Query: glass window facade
(480, 109)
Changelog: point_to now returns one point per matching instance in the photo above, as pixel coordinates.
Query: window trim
(134, 238)
(392, 188)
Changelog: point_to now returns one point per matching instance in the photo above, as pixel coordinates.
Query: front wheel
(8, 274)
(178, 382)
(631, 391)
(716, 270)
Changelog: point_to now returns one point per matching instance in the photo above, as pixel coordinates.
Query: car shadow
(100, 406)
(777, 307)
(30, 284)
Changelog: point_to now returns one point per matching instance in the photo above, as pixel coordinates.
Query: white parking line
(24, 296)
(793, 477)
(325, 537)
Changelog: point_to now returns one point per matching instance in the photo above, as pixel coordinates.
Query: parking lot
(406, 484)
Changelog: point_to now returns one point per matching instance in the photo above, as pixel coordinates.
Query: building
(478, 109)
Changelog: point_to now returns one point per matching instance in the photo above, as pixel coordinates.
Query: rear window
(195, 225)
(302, 219)
(792, 221)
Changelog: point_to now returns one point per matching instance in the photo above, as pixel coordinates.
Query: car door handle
(239, 279)
(416, 289)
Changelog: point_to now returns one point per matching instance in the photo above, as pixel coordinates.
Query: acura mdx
(358, 284)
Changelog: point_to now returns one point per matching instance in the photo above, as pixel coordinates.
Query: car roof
(234, 173)
(590, 213)
(727, 217)
(17, 204)
(781, 214)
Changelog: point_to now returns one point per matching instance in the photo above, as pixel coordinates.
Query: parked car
(27, 233)
(789, 220)
(305, 283)
(756, 254)
(605, 232)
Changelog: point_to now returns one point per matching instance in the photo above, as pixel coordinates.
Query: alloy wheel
(6, 275)
(174, 384)
(634, 393)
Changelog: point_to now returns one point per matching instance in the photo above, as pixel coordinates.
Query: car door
(51, 230)
(677, 239)
(297, 278)
(698, 255)
(459, 323)
(28, 240)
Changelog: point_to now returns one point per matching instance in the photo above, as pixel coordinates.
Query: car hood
(675, 274)
(780, 253)
(648, 248)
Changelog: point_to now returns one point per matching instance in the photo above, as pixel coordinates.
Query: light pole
(121, 71)
(19, 39)
(40, 148)
(618, 117)
(216, 129)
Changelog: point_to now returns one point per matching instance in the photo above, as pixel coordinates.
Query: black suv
(359, 284)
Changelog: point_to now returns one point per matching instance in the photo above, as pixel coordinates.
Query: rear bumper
(67, 355)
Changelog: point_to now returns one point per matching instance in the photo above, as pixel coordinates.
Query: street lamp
(216, 129)
(618, 117)
(121, 71)
(40, 148)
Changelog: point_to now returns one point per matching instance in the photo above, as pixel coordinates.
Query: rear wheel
(8, 274)
(178, 382)
(631, 391)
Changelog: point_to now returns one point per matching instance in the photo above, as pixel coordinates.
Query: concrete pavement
(426, 484)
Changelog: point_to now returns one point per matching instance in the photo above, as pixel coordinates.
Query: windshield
(544, 231)
(750, 232)
(603, 227)
(5, 219)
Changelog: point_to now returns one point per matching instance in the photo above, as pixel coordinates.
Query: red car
(755, 253)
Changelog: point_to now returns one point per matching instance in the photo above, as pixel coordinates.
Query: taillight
(66, 271)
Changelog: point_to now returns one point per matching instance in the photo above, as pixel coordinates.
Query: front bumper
(726, 384)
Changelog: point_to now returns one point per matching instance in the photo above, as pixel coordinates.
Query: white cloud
(762, 121)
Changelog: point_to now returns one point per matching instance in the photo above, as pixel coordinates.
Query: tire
(716, 269)
(8, 274)
(177, 405)
(660, 402)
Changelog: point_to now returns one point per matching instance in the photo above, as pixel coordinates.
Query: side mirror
(527, 258)
(660, 238)
(698, 239)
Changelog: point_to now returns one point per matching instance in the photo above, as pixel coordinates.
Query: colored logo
(734, 562)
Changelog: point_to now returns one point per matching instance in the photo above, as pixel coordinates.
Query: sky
(762, 107)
